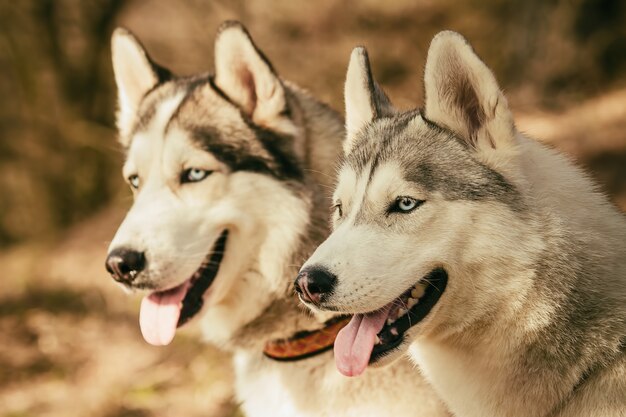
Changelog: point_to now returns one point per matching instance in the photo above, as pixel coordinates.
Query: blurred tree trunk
(56, 157)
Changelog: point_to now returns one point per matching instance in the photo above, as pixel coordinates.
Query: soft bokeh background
(69, 339)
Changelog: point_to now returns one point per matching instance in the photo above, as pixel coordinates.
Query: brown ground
(69, 339)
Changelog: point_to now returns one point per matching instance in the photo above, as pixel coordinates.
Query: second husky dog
(491, 257)
(231, 176)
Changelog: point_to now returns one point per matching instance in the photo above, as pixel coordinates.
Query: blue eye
(194, 175)
(133, 180)
(405, 205)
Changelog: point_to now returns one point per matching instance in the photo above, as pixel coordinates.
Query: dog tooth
(393, 331)
(390, 322)
(417, 291)
(401, 312)
(377, 340)
(411, 302)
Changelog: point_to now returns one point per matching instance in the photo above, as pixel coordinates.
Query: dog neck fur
(284, 316)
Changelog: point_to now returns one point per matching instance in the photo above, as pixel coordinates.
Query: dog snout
(313, 284)
(125, 264)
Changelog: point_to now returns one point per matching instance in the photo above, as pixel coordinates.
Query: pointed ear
(365, 100)
(244, 75)
(462, 94)
(135, 75)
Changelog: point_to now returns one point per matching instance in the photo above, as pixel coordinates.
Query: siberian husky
(488, 256)
(230, 175)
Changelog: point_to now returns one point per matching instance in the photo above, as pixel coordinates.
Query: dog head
(424, 211)
(214, 163)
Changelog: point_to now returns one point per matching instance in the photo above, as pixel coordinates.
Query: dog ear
(365, 100)
(462, 94)
(135, 75)
(247, 78)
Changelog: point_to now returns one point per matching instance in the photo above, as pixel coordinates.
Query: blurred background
(69, 339)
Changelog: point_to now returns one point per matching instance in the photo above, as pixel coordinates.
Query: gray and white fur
(267, 149)
(533, 319)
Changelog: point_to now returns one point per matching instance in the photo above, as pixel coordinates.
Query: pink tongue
(159, 315)
(355, 342)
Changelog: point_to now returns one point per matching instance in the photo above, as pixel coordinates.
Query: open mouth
(162, 312)
(371, 336)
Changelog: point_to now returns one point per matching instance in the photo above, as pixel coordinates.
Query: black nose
(124, 264)
(313, 283)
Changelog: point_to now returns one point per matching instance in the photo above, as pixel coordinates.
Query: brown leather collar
(305, 344)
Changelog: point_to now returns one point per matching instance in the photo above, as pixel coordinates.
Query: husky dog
(230, 175)
(490, 257)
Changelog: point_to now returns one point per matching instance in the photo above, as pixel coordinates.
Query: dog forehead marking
(164, 113)
(358, 193)
(146, 141)
(432, 158)
(387, 176)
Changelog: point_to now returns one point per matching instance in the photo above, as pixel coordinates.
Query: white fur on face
(261, 255)
(387, 184)
(177, 224)
(158, 224)
(359, 251)
(356, 187)
(376, 255)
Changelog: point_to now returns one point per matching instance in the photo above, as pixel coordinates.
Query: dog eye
(133, 180)
(194, 175)
(337, 207)
(405, 205)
